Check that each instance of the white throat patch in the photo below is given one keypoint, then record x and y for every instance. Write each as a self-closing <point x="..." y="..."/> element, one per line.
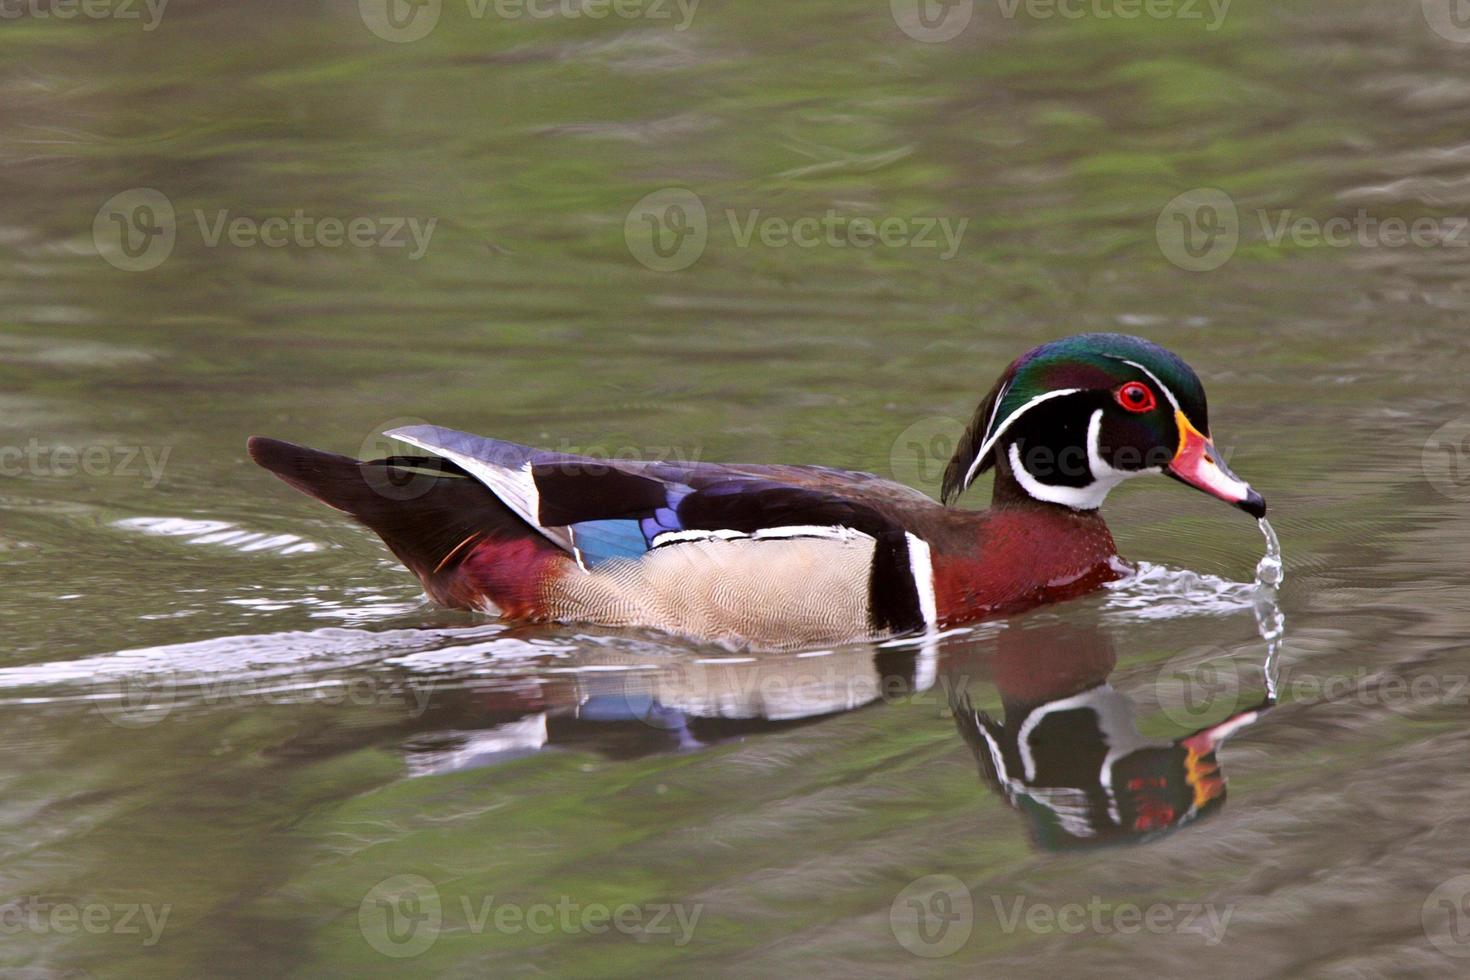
<point x="1090" y="497"/>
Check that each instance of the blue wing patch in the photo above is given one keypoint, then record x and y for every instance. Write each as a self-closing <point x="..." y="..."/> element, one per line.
<point x="594" y="542"/>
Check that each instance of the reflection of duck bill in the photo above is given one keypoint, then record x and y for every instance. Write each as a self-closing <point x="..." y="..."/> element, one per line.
<point x="1201" y="770"/>
<point x="1083" y="776"/>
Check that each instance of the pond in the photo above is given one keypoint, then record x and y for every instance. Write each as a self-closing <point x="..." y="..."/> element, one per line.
<point x="241" y="741"/>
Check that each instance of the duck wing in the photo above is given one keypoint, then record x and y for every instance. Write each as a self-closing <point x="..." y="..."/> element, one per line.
<point x="602" y="511"/>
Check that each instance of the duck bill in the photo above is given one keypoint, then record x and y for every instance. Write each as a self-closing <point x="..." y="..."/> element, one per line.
<point x="1199" y="464"/>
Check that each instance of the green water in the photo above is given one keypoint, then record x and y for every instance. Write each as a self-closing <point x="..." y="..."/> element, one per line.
<point x="228" y="711"/>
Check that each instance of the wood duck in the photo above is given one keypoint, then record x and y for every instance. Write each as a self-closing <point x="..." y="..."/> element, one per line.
<point x="777" y="556"/>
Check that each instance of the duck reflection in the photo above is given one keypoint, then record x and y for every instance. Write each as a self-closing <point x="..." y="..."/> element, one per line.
<point x="1065" y="752"/>
<point x="1068" y="754"/>
<point x="620" y="706"/>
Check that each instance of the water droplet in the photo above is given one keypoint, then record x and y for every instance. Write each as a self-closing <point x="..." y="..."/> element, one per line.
<point x="1269" y="571"/>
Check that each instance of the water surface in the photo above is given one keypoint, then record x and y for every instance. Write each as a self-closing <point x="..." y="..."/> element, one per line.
<point x="224" y="701"/>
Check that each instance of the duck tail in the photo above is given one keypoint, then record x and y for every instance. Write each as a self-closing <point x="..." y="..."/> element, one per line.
<point x="430" y="512"/>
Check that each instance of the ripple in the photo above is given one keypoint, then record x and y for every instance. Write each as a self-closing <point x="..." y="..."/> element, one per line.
<point x="253" y="657"/>
<point x="221" y="533"/>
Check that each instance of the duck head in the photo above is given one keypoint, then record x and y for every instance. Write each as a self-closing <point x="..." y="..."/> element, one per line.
<point x="1073" y="418"/>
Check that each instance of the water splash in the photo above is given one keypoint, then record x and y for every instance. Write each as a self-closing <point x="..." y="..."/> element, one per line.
<point x="1156" y="591"/>
<point x="1269" y="571"/>
<point x="1269" y="620"/>
<point x="1160" y="592"/>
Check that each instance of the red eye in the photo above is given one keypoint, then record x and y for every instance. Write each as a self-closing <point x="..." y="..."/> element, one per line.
<point x="1136" y="397"/>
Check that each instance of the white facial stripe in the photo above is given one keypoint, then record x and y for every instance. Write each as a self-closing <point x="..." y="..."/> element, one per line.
<point x="1162" y="387"/>
<point x="1101" y="468"/>
<point x="995" y="409"/>
<point x="1090" y="497"/>
<point x="1085" y="699"/>
<point x="996" y="433"/>
<point x="997" y="758"/>
<point x="921" y="566"/>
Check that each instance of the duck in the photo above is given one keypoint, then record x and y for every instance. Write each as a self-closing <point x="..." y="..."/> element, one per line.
<point x="783" y="556"/>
